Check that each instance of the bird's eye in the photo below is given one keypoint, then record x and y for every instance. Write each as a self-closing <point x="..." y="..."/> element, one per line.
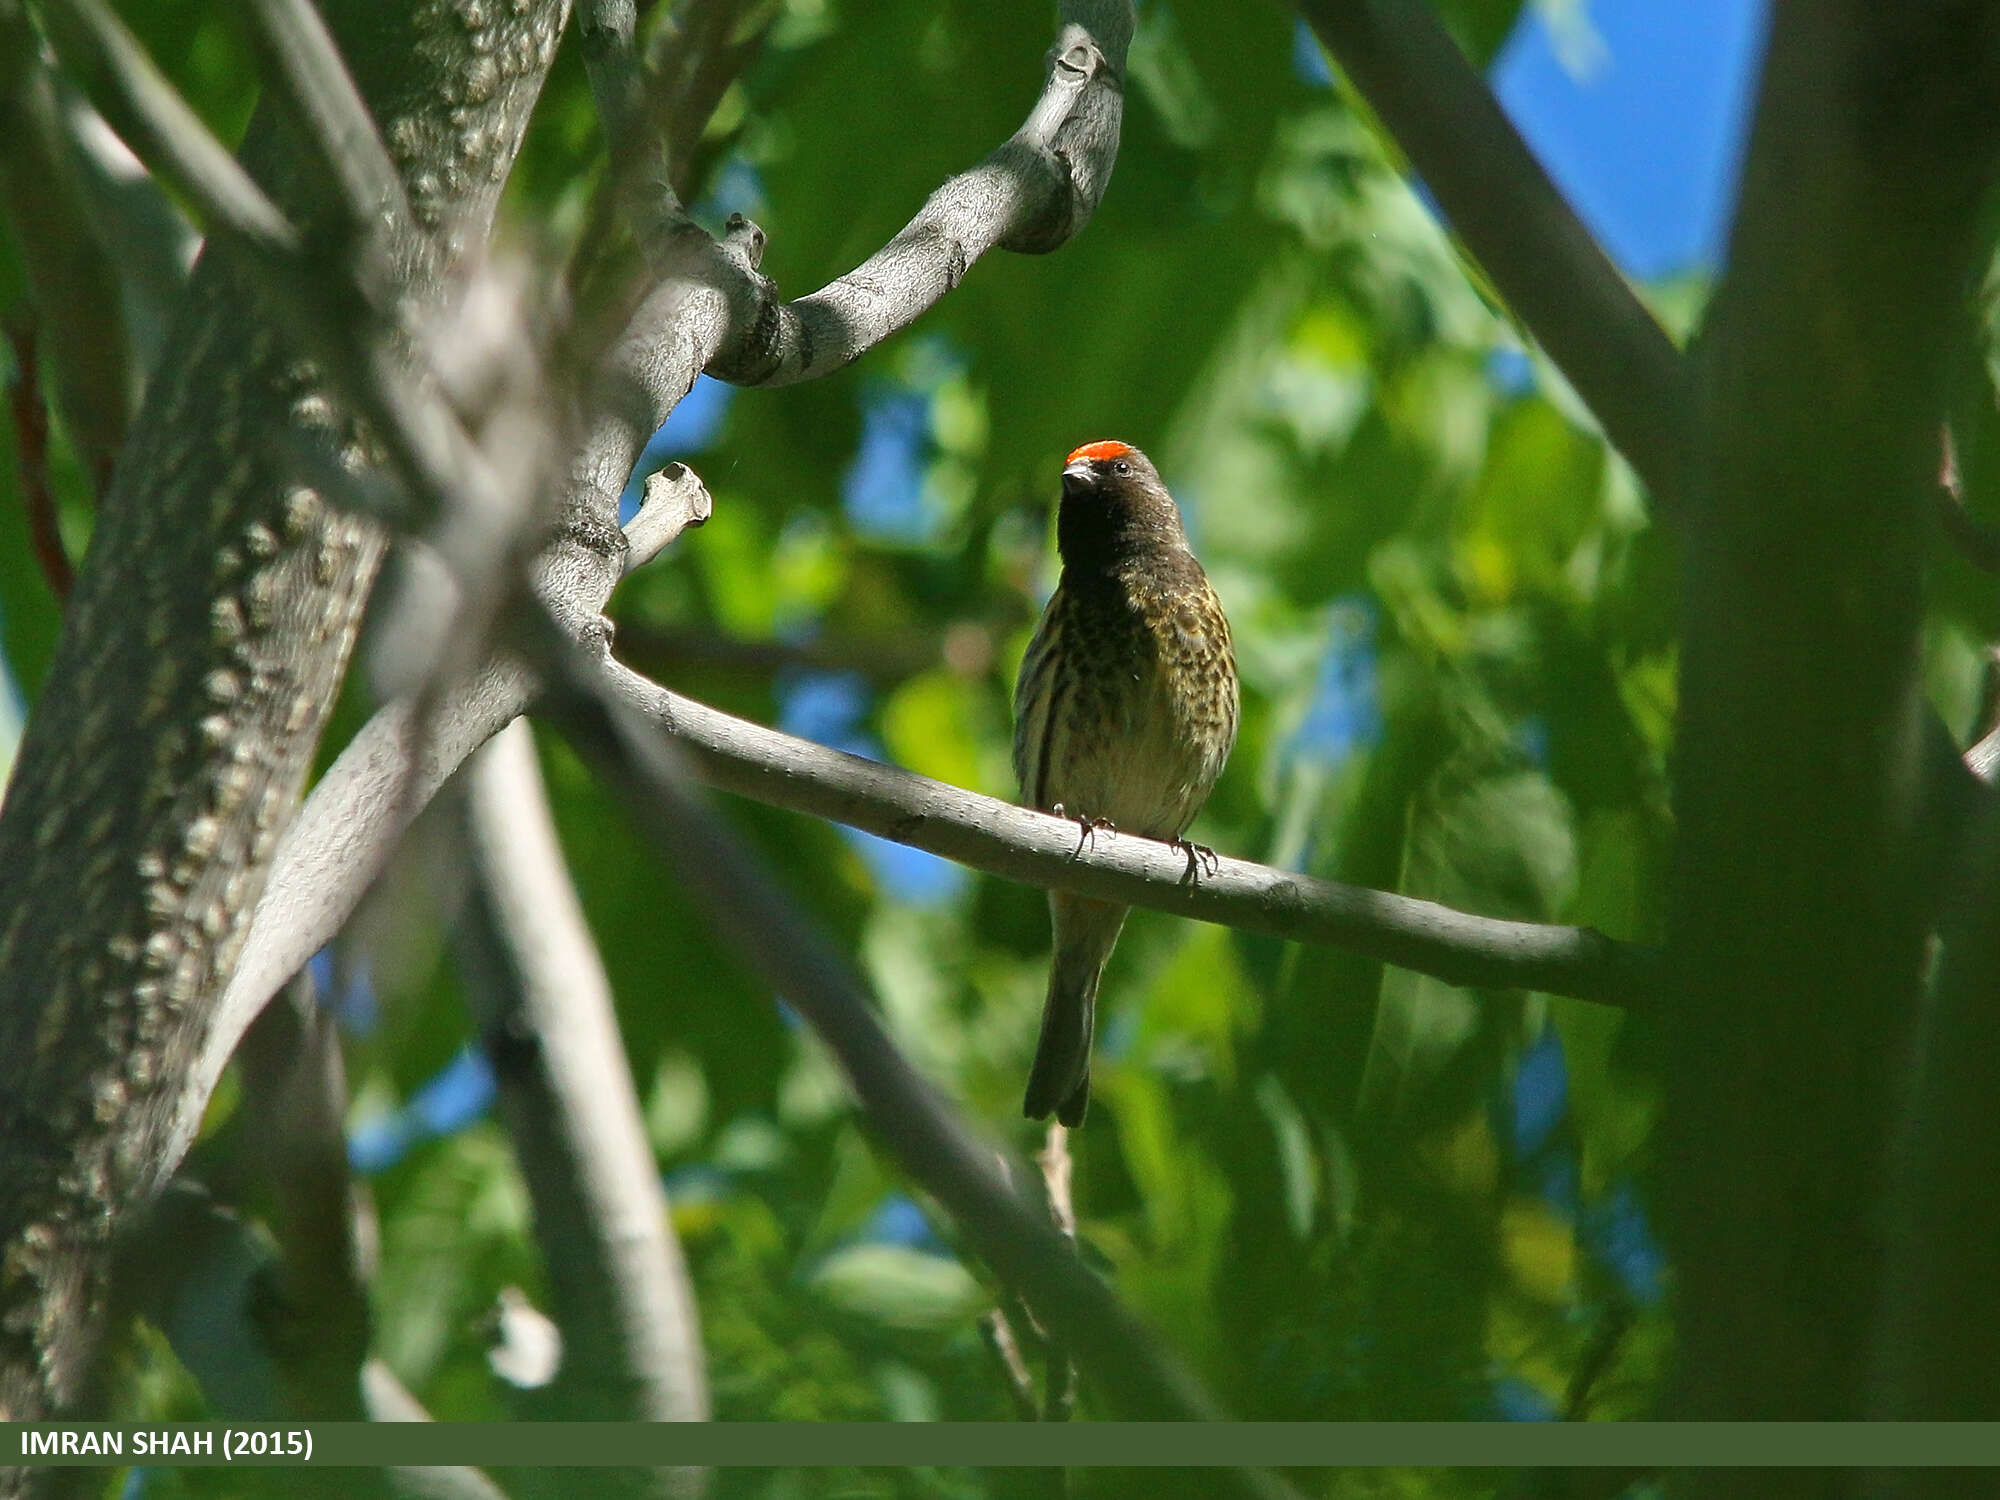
<point x="1122" y="467"/>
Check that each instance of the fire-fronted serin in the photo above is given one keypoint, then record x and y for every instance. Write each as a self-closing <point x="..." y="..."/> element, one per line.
<point x="1124" y="714"/>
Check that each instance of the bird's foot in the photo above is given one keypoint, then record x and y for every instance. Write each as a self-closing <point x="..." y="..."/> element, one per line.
<point x="1200" y="860"/>
<point x="1087" y="828"/>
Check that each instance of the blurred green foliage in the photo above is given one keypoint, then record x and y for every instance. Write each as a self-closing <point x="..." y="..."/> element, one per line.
<point x="1341" y="1191"/>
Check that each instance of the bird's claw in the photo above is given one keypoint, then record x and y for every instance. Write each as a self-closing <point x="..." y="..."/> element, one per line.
<point x="1200" y="859"/>
<point x="1087" y="828"/>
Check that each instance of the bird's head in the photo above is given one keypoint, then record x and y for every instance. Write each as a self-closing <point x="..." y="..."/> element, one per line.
<point x="1113" y="500"/>
<point x="1106" y="467"/>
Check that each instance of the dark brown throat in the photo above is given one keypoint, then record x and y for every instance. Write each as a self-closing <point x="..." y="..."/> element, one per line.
<point x="1112" y="526"/>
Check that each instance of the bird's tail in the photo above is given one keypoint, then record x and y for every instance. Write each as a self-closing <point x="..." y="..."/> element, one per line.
<point x="1085" y="932"/>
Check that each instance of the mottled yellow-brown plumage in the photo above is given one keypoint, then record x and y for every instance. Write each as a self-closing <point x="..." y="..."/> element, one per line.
<point x="1125" y="712"/>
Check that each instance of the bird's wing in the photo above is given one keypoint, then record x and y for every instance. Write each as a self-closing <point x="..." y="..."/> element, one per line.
<point x="1035" y="693"/>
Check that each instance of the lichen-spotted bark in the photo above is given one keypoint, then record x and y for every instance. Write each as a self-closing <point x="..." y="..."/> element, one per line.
<point x="202" y="650"/>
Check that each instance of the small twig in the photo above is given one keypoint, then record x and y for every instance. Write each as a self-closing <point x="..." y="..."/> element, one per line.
<point x="998" y="1332"/>
<point x="1054" y="1161"/>
<point x="676" y="499"/>
<point x="708" y="47"/>
<point x="127" y="208"/>
<point x="296" y="50"/>
<point x="75" y="286"/>
<point x="1983" y="759"/>
<point x="31" y="457"/>
<point x="1058" y="1403"/>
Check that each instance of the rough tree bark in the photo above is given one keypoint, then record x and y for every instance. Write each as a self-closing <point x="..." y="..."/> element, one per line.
<point x="198" y="660"/>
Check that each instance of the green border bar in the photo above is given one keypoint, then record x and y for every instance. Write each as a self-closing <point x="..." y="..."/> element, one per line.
<point x="1081" y="1444"/>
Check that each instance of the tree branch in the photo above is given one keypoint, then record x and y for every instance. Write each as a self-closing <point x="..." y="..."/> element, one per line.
<point x="1032" y="194"/>
<point x="631" y="1342"/>
<point x="1518" y="226"/>
<point x="675" y="500"/>
<point x="1802" y="901"/>
<point x="294" y="1130"/>
<point x="75" y="283"/>
<point x="703" y="48"/>
<point x="332" y="852"/>
<point x="196" y="666"/>
<point x="1038" y="849"/>
<point x="30" y="414"/>
<point x="322" y="280"/>
<point x="641" y="184"/>
<point x="297" y="55"/>
<point x="912" y="1121"/>
<point x="156" y="244"/>
<point x="145" y="108"/>
<point x="354" y="817"/>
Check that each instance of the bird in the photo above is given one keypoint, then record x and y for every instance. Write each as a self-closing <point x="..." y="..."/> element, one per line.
<point x="1125" y="712"/>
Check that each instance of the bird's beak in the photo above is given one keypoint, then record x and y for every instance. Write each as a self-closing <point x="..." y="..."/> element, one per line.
<point x="1077" y="476"/>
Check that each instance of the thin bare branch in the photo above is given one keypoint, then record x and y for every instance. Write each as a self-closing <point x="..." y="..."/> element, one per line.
<point x="319" y="285"/>
<point x="1983" y="759"/>
<point x="156" y="244"/>
<point x="998" y="1332"/>
<point x="618" y="84"/>
<point x="1053" y="1160"/>
<point x="1039" y="849"/>
<point x="676" y="499"/>
<point x="340" y="841"/>
<point x="705" y="48"/>
<point x="1032" y="194"/>
<point x="631" y="1343"/>
<point x="76" y="284"/>
<point x="294" y="1128"/>
<point x="1517" y="225"/>
<point x="31" y="457"/>
<point x="296" y="50"/>
<point x="149" y="112"/>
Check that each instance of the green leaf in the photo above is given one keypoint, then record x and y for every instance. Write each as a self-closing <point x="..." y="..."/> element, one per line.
<point x="898" y="1287"/>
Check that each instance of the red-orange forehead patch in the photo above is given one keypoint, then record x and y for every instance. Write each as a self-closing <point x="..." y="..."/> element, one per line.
<point x="1100" y="450"/>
